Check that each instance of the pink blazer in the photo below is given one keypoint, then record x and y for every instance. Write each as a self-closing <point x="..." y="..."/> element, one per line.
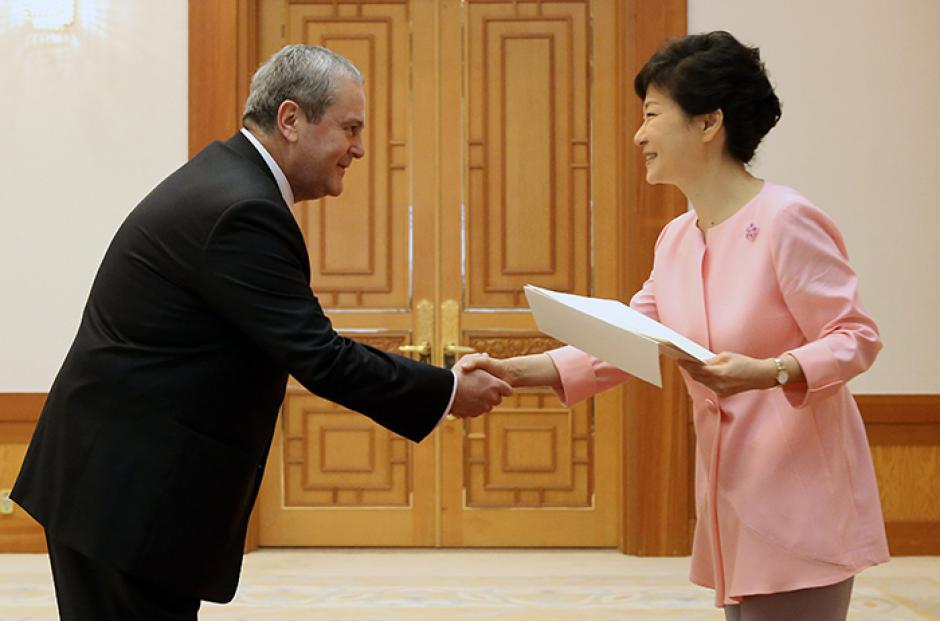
<point x="795" y="468"/>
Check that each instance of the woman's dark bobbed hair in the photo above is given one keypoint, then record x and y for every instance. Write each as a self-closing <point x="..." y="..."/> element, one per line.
<point x="711" y="71"/>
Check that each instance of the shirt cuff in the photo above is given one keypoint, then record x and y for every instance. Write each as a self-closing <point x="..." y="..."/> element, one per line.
<point x="453" y="394"/>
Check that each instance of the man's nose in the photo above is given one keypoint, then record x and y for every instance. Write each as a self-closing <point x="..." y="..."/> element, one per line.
<point x="358" y="148"/>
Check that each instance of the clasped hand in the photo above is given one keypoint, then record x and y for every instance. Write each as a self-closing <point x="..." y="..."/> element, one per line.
<point x="478" y="392"/>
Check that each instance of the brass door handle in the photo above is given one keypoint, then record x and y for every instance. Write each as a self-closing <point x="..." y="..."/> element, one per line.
<point x="424" y="332"/>
<point x="423" y="349"/>
<point x="451" y="350"/>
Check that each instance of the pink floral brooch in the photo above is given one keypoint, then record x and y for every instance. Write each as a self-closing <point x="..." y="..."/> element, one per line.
<point x="751" y="232"/>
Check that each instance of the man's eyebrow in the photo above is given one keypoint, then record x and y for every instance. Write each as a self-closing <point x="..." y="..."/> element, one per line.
<point x="651" y="102"/>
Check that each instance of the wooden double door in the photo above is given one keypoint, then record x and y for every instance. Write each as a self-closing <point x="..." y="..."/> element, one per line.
<point x="489" y="164"/>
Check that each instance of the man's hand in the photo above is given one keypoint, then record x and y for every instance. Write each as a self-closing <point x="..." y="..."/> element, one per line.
<point x="478" y="392"/>
<point x="729" y="373"/>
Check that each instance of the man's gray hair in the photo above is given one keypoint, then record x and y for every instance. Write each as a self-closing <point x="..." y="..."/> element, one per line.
<point x="305" y="74"/>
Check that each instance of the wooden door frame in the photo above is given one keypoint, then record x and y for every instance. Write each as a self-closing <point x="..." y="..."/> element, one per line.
<point x="658" y="445"/>
<point x="223" y="43"/>
<point x="656" y="456"/>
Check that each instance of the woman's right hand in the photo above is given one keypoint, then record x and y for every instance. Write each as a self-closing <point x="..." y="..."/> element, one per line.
<point x="533" y="370"/>
<point x="498" y="367"/>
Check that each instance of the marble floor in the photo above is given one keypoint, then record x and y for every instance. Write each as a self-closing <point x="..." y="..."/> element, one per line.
<point x="462" y="585"/>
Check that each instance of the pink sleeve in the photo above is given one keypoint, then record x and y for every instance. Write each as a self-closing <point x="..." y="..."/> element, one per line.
<point x="820" y="289"/>
<point x="582" y="375"/>
<point x="644" y="300"/>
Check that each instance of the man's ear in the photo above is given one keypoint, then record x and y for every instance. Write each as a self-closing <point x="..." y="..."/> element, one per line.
<point x="289" y="116"/>
<point x="711" y="123"/>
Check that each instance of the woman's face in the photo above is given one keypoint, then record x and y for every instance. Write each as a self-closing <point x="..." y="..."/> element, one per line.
<point x="671" y="142"/>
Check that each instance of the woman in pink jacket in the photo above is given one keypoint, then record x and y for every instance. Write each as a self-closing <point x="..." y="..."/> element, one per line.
<point x="786" y="498"/>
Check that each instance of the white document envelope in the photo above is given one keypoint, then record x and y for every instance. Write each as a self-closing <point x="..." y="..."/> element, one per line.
<point x="611" y="331"/>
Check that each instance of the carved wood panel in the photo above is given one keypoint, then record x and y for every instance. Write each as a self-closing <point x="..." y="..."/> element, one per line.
<point x="508" y="344"/>
<point x="334" y="457"/>
<point x="337" y="458"/>
<point x="359" y="242"/>
<point x="530" y="452"/>
<point x="527" y="151"/>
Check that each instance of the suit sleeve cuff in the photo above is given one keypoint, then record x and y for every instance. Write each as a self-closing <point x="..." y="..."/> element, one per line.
<point x="821" y="371"/>
<point x="577" y="376"/>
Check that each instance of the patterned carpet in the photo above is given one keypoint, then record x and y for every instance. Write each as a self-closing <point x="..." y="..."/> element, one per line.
<point x="460" y="585"/>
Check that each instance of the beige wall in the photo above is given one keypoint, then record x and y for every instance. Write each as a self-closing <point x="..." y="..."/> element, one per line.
<point x="92" y="119"/>
<point x="860" y="136"/>
<point x="95" y="118"/>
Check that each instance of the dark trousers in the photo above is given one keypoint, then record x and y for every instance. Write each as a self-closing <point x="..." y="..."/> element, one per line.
<point x="91" y="590"/>
<point x="826" y="603"/>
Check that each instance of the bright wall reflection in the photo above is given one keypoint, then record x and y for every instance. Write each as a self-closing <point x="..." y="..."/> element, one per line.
<point x="95" y="116"/>
<point x="49" y="22"/>
<point x="50" y="14"/>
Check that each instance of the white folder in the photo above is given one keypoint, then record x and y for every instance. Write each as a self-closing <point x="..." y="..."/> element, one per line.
<point x="611" y="331"/>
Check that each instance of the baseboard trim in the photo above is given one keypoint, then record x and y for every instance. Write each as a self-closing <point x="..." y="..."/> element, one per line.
<point x="913" y="538"/>
<point x="21" y="407"/>
<point x="19" y="412"/>
<point x="890" y="420"/>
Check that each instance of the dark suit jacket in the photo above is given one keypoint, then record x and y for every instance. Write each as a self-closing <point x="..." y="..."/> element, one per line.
<point x="151" y="446"/>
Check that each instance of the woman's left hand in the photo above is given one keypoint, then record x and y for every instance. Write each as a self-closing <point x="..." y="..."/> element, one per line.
<point x="729" y="373"/>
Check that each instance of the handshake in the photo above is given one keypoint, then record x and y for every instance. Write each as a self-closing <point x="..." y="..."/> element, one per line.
<point x="482" y="382"/>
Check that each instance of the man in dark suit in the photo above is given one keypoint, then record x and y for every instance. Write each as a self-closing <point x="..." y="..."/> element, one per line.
<point x="147" y="458"/>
